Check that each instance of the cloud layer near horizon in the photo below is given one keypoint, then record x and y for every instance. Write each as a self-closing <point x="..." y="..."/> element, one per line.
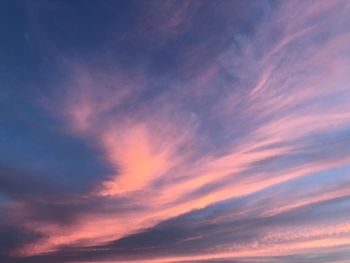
<point x="176" y="131"/>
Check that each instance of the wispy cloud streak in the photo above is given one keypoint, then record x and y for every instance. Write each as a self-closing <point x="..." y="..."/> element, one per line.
<point x="239" y="151"/>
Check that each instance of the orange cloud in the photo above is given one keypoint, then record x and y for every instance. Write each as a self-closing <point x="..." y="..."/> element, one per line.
<point x="140" y="158"/>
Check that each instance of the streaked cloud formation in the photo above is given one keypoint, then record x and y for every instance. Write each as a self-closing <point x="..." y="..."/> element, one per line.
<point x="175" y="131"/>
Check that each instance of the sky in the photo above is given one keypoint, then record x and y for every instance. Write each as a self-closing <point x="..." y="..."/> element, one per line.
<point x="168" y="131"/>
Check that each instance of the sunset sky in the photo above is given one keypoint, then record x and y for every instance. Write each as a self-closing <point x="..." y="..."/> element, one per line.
<point x="181" y="131"/>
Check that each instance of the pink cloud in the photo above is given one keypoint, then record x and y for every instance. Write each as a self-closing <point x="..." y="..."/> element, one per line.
<point x="146" y="146"/>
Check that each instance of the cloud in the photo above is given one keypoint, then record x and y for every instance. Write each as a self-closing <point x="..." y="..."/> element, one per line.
<point x="228" y="143"/>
